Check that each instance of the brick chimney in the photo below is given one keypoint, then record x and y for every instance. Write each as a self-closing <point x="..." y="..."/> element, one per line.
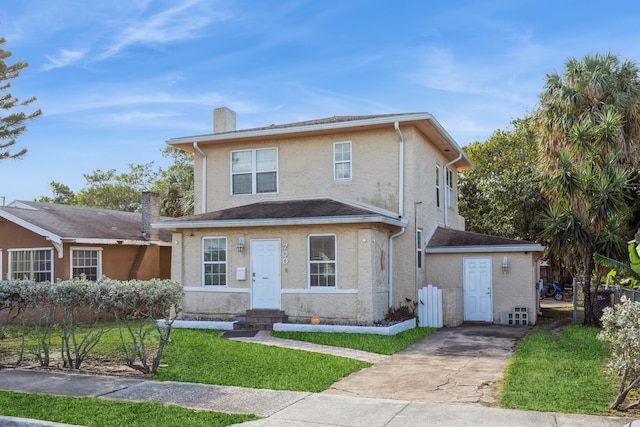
<point x="224" y="120"/>
<point x="150" y="214"/>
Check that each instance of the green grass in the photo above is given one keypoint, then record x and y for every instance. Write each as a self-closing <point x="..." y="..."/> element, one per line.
<point x="200" y="356"/>
<point x="92" y="412"/>
<point x="563" y="374"/>
<point x="380" y="344"/>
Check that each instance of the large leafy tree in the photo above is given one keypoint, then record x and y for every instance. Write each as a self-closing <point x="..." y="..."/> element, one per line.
<point x="589" y="123"/>
<point x="13" y="119"/>
<point x="502" y="195"/>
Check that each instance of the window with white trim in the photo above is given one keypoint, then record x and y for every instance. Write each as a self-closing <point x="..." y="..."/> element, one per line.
<point x="437" y="186"/>
<point x="86" y="262"/>
<point x="214" y="261"/>
<point x="342" y="161"/>
<point x="254" y="171"/>
<point x="31" y="264"/>
<point x="449" y="189"/>
<point x="322" y="261"/>
<point x="419" y="247"/>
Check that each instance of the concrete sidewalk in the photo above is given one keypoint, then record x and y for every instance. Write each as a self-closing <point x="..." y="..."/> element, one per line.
<point x="284" y="408"/>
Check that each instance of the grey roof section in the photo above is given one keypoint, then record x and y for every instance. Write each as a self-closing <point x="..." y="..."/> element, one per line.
<point x="450" y="240"/>
<point x="292" y="212"/>
<point x="74" y="222"/>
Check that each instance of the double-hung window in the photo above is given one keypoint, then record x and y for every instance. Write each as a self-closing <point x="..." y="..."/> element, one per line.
<point x="342" y="161"/>
<point x="322" y="261"/>
<point x="214" y="261"/>
<point x="449" y="185"/>
<point x="31" y="264"/>
<point x="254" y="171"/>
<point x="86" y="262"/>
<point x="437" y="186"/>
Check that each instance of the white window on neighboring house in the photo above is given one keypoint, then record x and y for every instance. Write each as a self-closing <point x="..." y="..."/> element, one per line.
<point x="449" y="185"/>
<point x="214" y="261"/>
<point x="342" y="161"/>
<point x="86" y="262"/>
<point x="419" y="247"/>
<point x="322" y="261"/>
<point x="437" y="186"/>
<point x="31" y="264"/>
<point x="254" y="171"/>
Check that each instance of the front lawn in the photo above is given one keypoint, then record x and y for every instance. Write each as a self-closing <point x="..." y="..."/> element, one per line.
<point x="201" y="356"/>
<point x="562" y="373"/>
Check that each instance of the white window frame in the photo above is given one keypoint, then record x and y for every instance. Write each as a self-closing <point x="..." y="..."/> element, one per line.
<point x="330" y="263"/>
<point x="437" y="186"/>
<point x="254" y="171"/>
<point x="216" y="262"/>
<point x="12" y="252"/>
<point x="337" y="162"/>
<point x="449" y="187"/>
<point x="98" y="267"/>
<point x="419" y="249"/>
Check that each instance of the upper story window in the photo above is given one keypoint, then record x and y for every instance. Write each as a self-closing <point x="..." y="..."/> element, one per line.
<point x="419" y="247"/>
<point x="342" y="161"/>
<point x="322" y="261"/>
<point x="254" y="171"/>
<point x="87" y="262"/>
<point x="449" y="185"/>
<point x="438" y="186"/>
<point x="214" y="261"/>
<point x="31" y="264"/>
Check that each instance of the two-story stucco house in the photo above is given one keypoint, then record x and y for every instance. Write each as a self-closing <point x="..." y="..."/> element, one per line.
<point x="333" y="218"/>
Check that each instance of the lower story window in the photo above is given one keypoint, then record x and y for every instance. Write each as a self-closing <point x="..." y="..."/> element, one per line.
<point x="322" y="261"/>
<point x="214" y="261"/>
<point x="33" y="264"/>
<point x="87" y="263"/>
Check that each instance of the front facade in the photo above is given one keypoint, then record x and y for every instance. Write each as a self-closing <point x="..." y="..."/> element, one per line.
<point x="46" y="242"/>
<point x="328" y="217"/>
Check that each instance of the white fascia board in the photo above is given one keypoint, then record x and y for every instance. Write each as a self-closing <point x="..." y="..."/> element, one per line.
<point x="29" y="226"/>
<point x="484" y="249"/>
<point x="123" y="242"/>
<point x="309" y="128"/>
<point x="283" y="221"/>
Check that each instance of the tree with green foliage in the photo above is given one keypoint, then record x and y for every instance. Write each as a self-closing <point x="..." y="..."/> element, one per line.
<point x="589" y="123"/>
<point x="14" y="123"/>
<point x="502" y="195"/>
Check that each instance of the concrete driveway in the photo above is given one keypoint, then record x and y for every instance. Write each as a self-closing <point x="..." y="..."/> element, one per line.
<point x="452" y="365"/>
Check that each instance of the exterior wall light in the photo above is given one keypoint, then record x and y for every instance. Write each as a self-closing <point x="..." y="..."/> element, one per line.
<point x="240" y="245"/>
<point x="505" y="265"/>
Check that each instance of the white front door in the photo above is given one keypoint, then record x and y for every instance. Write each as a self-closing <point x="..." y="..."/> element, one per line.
<point x="478" y="290"/>
<point x="265" y="274"/>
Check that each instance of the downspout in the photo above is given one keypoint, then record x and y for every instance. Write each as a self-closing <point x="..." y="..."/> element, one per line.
<point x="396" y="125"/>
<point x="446" y="201"/>
<point x="204" y="176"/>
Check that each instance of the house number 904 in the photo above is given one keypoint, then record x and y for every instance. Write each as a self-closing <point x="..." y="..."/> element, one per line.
<point x="285" y="254"/>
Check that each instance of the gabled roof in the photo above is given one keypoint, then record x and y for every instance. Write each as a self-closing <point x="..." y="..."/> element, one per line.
<point x="74" y="224"/>
<point x="293" y="212"/>
<point x="425" y="122"/>
<point x="447" y="240"/>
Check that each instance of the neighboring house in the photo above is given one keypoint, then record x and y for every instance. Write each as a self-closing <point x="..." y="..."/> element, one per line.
<point x="46" y="241"/>
<point x="333" y="218"/>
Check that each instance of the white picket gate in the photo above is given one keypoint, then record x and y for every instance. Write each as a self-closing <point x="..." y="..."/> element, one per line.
<point x="430" y="307"/>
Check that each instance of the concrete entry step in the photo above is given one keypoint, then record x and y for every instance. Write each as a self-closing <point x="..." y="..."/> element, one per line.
<point x="262" y="320"/>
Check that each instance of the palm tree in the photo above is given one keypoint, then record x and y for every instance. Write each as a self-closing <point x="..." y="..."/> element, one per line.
<point x="589" y="121"/>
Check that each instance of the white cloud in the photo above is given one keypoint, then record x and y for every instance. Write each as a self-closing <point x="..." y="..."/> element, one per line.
<point x="64" y="58"/>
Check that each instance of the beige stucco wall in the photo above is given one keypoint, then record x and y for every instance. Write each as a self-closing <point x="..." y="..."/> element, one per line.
<point x="515" y="288"/>
<point x="360" y="296"/>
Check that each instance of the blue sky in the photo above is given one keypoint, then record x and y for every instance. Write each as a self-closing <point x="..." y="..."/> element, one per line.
<point x="115" y="79"/>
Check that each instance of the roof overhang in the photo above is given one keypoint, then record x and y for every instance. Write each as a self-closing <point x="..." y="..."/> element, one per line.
<point x="270" y="222"/>
<point x="484" y="249"/>
<point x="126" y="242"/>
<point x="425" y="122"/>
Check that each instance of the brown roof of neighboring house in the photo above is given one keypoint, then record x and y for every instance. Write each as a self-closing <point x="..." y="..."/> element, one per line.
<point x="450" y="238"/>
<point x="286" y="210"/>
<point x="75" y="222"/>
